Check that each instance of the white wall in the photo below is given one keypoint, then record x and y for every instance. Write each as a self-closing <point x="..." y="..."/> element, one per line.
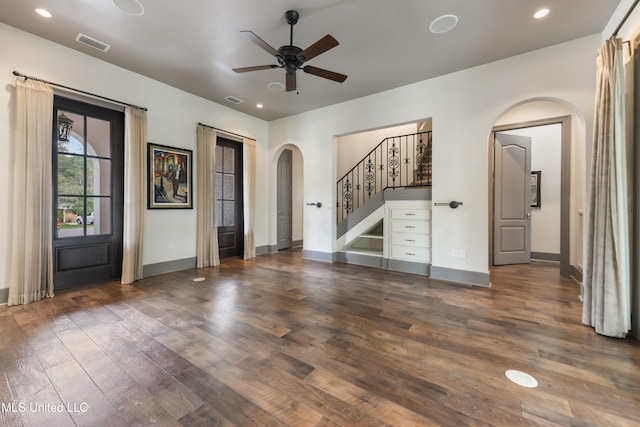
<point x="352" y="148"/>
<point x="463" y="106"/>
<point x="546" y="149"/>
<point x="632" y="26"/>
<point x="172" y="119"/>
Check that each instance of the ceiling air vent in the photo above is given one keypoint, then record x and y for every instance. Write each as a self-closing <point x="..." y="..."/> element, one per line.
<point x="89" y="41"/>
<point x="234" y="100"/>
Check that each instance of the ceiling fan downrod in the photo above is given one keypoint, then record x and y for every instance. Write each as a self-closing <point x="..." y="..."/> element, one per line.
<point x="292" y="17"/>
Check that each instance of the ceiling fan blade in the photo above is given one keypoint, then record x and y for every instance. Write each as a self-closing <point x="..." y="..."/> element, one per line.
<point x="321" y="72"/>
<point x="321" y="46"/>
<point x="263" y="44"/>
<point x="291" y="82"/>
<point x="256" y="68"/>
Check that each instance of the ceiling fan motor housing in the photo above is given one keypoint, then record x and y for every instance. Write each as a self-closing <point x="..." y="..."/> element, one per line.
<point x="292" y="58"/>
<point x="289" y="58"/>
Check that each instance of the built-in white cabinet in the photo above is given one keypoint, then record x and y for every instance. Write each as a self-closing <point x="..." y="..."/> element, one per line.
<point x="407" y="235"/>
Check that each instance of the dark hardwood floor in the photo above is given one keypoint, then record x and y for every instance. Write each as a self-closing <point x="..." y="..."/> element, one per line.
<point x="284" y="341"/>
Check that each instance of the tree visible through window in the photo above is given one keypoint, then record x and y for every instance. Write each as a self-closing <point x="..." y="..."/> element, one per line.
<point x="83" y="170"/>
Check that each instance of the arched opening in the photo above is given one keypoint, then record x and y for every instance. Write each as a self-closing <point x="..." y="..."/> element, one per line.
<point x="535" y="118"/>
<point x="289" y="179"/>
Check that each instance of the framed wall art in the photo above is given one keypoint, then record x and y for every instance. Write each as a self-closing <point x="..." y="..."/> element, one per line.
<point x="535" y="189"/>
<point x="169" y="183"/>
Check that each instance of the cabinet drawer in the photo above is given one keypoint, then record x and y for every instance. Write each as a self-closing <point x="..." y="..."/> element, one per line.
<point x="409" y="213"/>
<point x="409" y="239"/>
<point x="410" y="253"/>
<point x="410" y="226"/>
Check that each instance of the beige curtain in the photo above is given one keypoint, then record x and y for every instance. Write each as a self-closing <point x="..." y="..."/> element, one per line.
<point x="31" y="268"/>
<point x="207" y="254"/>
<point x="249" y="196"/>
<point x="135" y="139"/>
<point x="607" y="288"/>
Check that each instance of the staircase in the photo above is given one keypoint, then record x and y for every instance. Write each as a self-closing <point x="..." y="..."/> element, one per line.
<point x="397" y="162"/>
<point x="363" y="239"/>
<point x="400" y="162"/>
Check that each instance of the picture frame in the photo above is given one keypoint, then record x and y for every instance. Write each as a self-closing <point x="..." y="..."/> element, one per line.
<point x="536" y="202"/>
<point x="169" y="177"/>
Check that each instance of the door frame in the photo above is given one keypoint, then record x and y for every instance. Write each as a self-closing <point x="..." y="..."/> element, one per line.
<point x="88" y="275"/>
<point x="223" y="141"/>
<point x="565" y="185"/>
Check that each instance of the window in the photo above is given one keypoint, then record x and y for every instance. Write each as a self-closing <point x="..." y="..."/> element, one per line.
<point x="82" y="169"/>
<point x="229" y="215"/>
<point x="225" y="186"/>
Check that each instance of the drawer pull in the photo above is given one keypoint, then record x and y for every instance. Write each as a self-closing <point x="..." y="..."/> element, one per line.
<point x="409" y="254"/>
<point x="410" y="214"/>
<point x="409" y="240"/>
<point x="409" y="226"/>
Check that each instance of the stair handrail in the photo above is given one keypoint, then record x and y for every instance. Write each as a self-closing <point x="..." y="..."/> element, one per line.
<point x="371" y="181"/>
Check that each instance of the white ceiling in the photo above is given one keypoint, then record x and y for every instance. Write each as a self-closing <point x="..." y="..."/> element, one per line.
<point x="384" y="44"/>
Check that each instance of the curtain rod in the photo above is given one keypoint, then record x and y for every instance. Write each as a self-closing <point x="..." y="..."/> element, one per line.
<point x="624" y="20"/>
<point x="226" y="131"/>
<point x="17" y="74"/>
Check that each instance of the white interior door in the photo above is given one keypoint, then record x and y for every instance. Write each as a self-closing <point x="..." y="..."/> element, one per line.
<point x="512" y="200"/>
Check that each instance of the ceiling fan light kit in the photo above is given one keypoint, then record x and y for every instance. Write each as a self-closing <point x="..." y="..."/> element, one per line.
<point x="292" y="58"/>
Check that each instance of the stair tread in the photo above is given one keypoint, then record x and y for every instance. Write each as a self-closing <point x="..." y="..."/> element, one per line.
<point x="371" y="236"/>
<point x="363" y="252"/>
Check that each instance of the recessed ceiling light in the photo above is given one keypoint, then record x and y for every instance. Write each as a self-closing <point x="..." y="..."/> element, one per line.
<point x="443" y="24"/>
<point x="43" y="12"/>
<point x="259" y="105"/>
<point x="541" y="13"/>
<point x="132" y="7"/>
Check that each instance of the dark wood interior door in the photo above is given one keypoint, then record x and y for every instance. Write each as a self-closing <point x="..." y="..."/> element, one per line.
<point x="88" y="189"/>
<point x="229" y="204"/>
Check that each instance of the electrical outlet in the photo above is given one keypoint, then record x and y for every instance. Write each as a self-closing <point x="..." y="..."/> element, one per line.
<point x="463" y="253"/>
<point x="454" y="253"/>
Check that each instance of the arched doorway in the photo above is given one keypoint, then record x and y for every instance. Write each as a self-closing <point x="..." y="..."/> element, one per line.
<point x="569" y="179"/>
<point x="289" y="184"/>
<point x="284" y="200"/>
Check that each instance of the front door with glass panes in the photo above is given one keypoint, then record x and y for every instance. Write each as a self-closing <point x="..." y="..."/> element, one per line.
<point x="88" y="194"/>
<point x="229" y="215"/>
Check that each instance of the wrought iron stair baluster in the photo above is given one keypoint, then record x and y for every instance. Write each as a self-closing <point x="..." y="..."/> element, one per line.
<point x="406" y="160"/>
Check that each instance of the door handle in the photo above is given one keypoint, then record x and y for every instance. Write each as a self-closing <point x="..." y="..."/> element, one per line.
<point x="528" y="215"/>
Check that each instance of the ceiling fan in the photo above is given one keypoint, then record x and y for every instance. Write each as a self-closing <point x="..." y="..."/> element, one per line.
<point x="292" y="58"/>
